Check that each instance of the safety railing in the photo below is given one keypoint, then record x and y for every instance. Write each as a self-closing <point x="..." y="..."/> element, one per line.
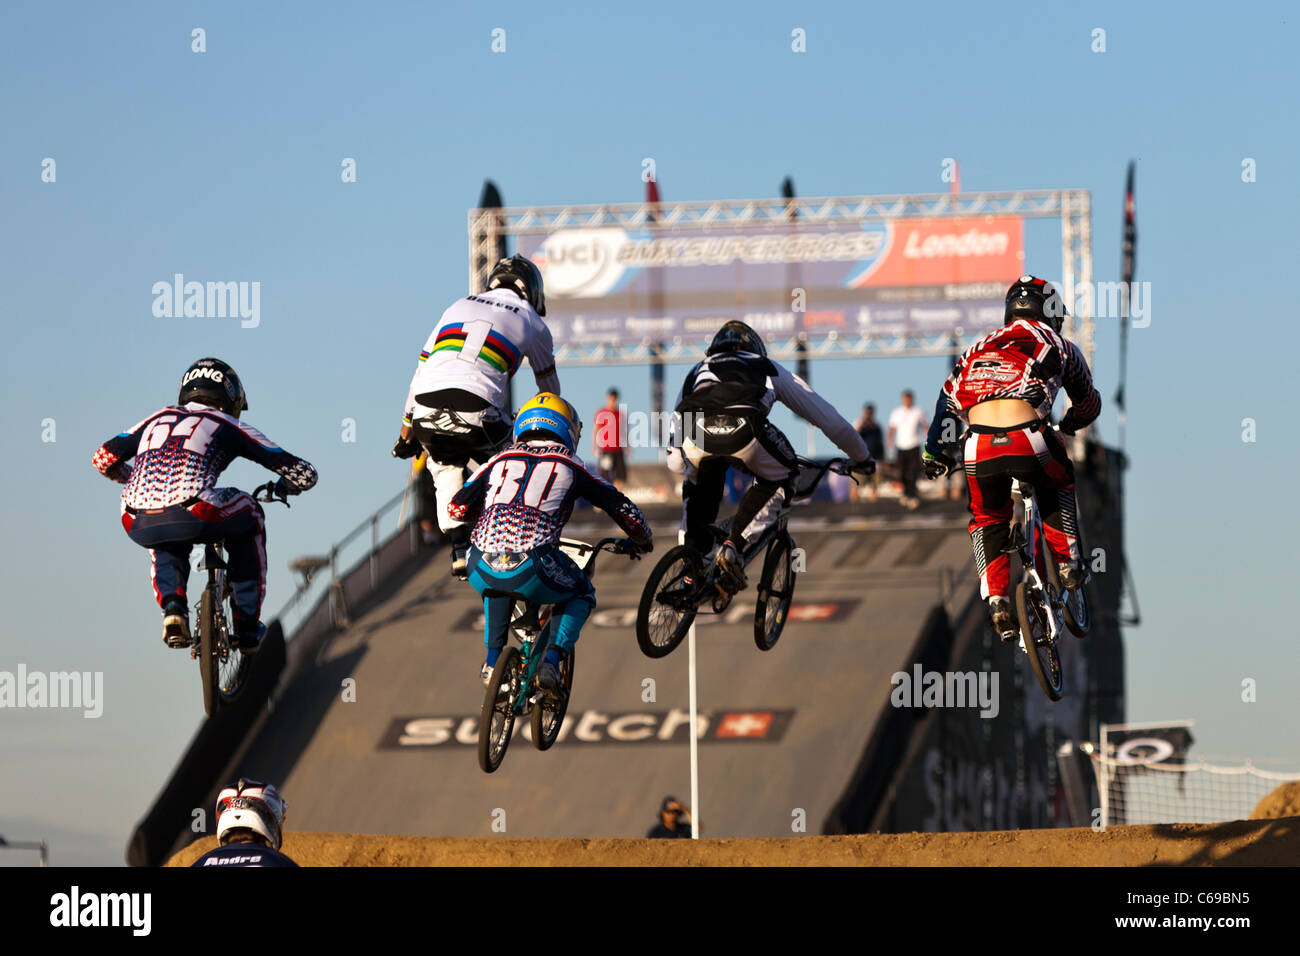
<point x="363" y="546"/>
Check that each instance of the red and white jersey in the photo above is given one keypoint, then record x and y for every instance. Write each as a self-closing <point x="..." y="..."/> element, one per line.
<point x="181" y="450"/>
<point x="1025" y="360"/>
<point x="478" y="345"/>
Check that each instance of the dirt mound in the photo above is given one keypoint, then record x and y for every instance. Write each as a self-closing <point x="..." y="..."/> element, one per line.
<point x="1282" y="802"/>
<point x="1246" y="843"/>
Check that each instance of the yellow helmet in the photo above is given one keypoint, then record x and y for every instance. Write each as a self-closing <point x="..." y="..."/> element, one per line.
<point x="547" y="412"/>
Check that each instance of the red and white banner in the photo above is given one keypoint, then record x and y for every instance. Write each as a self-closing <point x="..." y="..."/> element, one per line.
<point x="927" y="252"/>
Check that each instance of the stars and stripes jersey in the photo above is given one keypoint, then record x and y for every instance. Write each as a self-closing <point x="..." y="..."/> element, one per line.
<point x="181" y="450"/>
<point x="478" y="345"/>
<point x="523" y="497"/>
<point x="1025" y="360"/>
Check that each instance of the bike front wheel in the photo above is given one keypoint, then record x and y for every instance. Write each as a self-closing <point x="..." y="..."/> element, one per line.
<point x="1035" y="631"/>
<point x="497" y="719"/>
<point x="775" y="591"/>
<point x="548" y="715"/>
<point x="668" y="602"/>
<point x="1078" y="617"/>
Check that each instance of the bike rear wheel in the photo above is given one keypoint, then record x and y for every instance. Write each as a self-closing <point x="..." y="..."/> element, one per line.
<point x="232" y="673"/>
<point x="548" y="715"/>
<point x="1035" y="630"/>
<point x="1078" y="616"/>
<point x="209" y="650"/>
<point x="661" y="625"/>
<point x="775" y="591"/>
<point x="497" y="719"/>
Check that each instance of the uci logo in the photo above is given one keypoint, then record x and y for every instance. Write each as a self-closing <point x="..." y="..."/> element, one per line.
<point x="582" y="263"/>
<point x="212" y="373"/>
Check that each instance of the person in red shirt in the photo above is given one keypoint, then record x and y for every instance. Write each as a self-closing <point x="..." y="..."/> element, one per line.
<point x="611" y="462"/>
<point x="1003" y="387"/>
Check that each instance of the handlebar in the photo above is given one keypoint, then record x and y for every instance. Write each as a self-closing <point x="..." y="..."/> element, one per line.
<point x="269" y="492"/>
<point x="838" y="466"/>
<point x="622" y="546"/>
<point x="613" y="545"/>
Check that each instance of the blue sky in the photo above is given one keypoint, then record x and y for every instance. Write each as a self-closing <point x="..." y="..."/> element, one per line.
<point x="225" y="165"/>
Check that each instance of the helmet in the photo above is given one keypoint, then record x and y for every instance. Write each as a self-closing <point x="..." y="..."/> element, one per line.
<point x="213" y="382"/>
<point x="1036" y="300"/>
<point x="249" y="805"/>
<point x="548" y="414"/>
<point x="519" y="275"/>
<point x="736" y="337"/>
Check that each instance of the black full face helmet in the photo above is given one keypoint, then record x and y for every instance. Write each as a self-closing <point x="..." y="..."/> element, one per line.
<point x="519" y="275"/>
<point x="1036" y="300"/>
<point x="212" y="382"/>
<point x="736" y="336"/>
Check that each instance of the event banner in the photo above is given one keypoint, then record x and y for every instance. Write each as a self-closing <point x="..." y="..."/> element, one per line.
<point x="899" y="277"/>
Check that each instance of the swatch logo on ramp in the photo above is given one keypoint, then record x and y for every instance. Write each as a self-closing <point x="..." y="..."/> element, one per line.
<point x="761" y="725"/>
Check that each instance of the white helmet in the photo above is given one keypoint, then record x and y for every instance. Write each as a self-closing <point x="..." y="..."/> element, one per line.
<point x="249" y="805"/>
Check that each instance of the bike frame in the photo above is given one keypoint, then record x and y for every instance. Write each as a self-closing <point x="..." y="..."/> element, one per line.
<point x="1034" y="554"/>
<point x="782" y="519"/>
<point x="533" y="645"/>
<point x="214" y="562"/>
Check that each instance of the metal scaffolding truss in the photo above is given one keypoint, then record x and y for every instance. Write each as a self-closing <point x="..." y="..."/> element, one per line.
<point x="1072" y="206"/>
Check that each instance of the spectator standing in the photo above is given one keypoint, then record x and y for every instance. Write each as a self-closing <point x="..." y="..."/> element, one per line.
<point x="871" y="433"/>
<point x="907" y="429"/>
<point x="426" y="498"/>
<point x="606" y="442"/>
<point x="674" y="821"/>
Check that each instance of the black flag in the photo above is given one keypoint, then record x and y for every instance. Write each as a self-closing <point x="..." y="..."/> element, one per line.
<point x="1128" y="266"/>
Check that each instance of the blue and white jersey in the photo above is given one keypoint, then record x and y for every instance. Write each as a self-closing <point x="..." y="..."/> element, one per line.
<point x="180" y="452"/>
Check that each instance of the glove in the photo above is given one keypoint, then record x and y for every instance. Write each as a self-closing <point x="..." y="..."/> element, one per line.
<point x="936" y="466"/>
<point x="675" y="460"/>
<point x="405" y="448"/>
<point x="283" y="489"/>
<point x="867" y="467"/>
<point x="1069" y="423"/>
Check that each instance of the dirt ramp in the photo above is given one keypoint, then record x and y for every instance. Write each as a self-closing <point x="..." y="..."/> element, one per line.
<point x="1282" y="802"/>
<point x="1241" y="843"/>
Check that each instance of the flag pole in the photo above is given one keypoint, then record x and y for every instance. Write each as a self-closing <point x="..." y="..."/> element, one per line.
<point x="657" y="308"/>
<point x="794" y="275"/>
<point x="691" y="679"/>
